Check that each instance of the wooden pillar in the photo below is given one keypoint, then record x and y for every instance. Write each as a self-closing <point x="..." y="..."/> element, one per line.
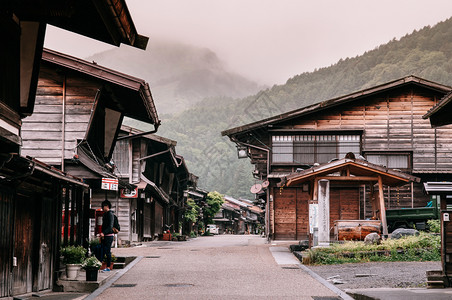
<point x="373" y="200"/>
<point x="382" y="207"/>
<point x="315" y="190"/>
<point x="324" y="212"/>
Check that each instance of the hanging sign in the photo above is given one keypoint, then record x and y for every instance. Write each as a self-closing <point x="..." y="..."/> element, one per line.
<point x="109" y="184"/>
<point x="126" y="193"/>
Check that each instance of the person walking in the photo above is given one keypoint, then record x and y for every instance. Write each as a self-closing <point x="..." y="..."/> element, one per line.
<point x="107" y="233"/>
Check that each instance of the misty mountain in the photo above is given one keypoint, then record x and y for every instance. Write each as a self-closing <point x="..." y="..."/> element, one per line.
<point x="426" y="53"/>
<point x="179" y="75"/>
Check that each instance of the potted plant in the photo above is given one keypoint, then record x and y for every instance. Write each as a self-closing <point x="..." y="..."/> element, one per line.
<point x="73" y="256"/>
<point x="91" y="266"/>
<point x="104" y="262"/>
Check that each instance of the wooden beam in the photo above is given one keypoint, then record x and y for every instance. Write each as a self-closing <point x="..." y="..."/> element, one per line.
<point x="382" y="207"/>
<point x="350" y="178"/>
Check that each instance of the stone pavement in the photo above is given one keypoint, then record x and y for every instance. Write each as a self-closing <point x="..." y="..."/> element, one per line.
<point x="401" y="294"/>
<point x="225" y="268"/>
<point x="217" y="267"/>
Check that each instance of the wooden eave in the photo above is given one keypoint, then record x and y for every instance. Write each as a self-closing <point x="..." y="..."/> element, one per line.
<point x="108" y="21"/>
<point x="153" y="137"/>
<point x="14" y="166"/>
<point x="337" y="101"/>
<point x="441" y="113"/>
<point x="133" y="93"/>
<point x="351" y="170"/>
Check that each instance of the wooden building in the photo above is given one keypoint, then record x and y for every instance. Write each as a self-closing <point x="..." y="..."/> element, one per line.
<point x="31" y="190"/>
<point x="79" y="109"/>
<point x="150" y="162"/>
<point x="440" y="115"/>
<point x="24" y="25"/>
<point x="382" y="125"/>
<point x="32" y="197"/>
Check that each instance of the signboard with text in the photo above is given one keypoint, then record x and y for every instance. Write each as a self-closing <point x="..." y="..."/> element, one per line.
<point x="109" y="184"/>
<point x="126" y="193"/>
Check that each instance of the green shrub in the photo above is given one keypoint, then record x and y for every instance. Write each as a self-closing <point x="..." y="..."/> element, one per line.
<point x="434" y="225"/>
<point x="425" y="247"/>
<point x="73" y="254"/>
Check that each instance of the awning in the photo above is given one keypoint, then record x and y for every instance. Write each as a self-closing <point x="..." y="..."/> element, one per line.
<point x="438" y="187"/>
<point x="88" y="161"/>
<point x="222" y="220"/>
<point x="14" y="166"/>
<point x="156" y="189"/>
<point x="351" y="170"/>
<point x="193" y="193"/>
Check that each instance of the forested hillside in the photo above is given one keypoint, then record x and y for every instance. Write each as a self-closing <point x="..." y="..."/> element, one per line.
<point x="426" y="53"/>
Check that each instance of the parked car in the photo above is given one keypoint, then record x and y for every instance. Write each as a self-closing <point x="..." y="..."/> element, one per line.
<point x="213" y="229"/>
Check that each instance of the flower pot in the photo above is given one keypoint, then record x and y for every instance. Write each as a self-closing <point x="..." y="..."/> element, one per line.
<point x="72" y="270"/>
<point x="91" y="274"/>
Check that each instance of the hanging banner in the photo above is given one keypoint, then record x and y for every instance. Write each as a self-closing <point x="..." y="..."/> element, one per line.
<point x="109" y="184"/>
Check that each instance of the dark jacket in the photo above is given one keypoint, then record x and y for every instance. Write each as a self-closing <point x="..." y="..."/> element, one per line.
<point x="107" y="222"/>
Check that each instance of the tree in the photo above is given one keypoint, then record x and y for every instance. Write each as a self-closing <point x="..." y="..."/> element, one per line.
<point x="214" y="202"/>
<point x="192" y="212"/>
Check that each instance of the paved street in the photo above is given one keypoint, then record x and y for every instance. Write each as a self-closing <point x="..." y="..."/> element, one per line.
<point x="216" y="267"/>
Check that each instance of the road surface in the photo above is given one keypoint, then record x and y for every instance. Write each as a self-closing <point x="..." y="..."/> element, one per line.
<point x="215" y="267"/>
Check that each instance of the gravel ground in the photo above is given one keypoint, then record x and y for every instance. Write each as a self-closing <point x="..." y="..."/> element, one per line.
<point x="377" y="274"/>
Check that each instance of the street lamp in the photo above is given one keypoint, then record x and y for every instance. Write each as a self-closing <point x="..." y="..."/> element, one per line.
<point x="242" y="151"/>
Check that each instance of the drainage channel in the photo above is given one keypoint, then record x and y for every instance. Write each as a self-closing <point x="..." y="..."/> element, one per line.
<point x="123" y="285"/>
<point x="178" y="285"/>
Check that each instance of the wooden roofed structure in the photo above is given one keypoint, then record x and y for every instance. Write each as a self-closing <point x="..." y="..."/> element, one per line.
<point x="441" y="113"/>
<point x="349" y="171"/>
<point x="383" y="124"/>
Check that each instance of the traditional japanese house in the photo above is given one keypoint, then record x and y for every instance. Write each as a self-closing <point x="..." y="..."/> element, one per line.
<point x="441" y="115"/>
<point x="78" y="113"/>
<point x="199" y="196"/>
<point x="382" y="125"/>
<point x="150" y="162"/>
<point x="29" y="189"/>
<point x="224" y="218"/>
<point x="32" y="196"/>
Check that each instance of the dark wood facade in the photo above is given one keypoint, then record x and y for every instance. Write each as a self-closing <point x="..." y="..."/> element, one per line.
<point x="78" y="114"/>
<point x="383" y="124"/>
<point x="440" y="115"/>
<point x="151" y="163"/>
<point x="32" y="197"/>
<point x="24" y="26"/>
<point x="32" y="200"/>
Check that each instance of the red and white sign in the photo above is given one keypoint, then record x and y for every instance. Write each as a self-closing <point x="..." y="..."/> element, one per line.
<point x="109" y="184"/>
<point x="125" y="193"/>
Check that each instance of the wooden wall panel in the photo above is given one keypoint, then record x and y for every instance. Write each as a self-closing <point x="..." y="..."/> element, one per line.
<point x="23" y="245"/>
<point x="302" y="222"/>
<point x="42" y="131"/>
<point x="6" y="239"/>
<point x="285" y="213"/>
<point x="344" y="204"/>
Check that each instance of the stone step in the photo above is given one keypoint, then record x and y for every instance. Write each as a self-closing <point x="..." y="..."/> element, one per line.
<point x="432" y="284"/>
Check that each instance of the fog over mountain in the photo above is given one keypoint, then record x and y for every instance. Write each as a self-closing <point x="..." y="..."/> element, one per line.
<point x="179" y="75"/>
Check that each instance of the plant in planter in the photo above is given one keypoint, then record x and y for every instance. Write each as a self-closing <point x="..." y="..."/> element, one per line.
<point x="73" y="256"/>
<point x="104" y="262"/>
<point x="91" y="266"/>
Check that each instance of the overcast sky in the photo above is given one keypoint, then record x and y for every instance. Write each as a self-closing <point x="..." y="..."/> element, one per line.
<point x="271" y="40"/>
